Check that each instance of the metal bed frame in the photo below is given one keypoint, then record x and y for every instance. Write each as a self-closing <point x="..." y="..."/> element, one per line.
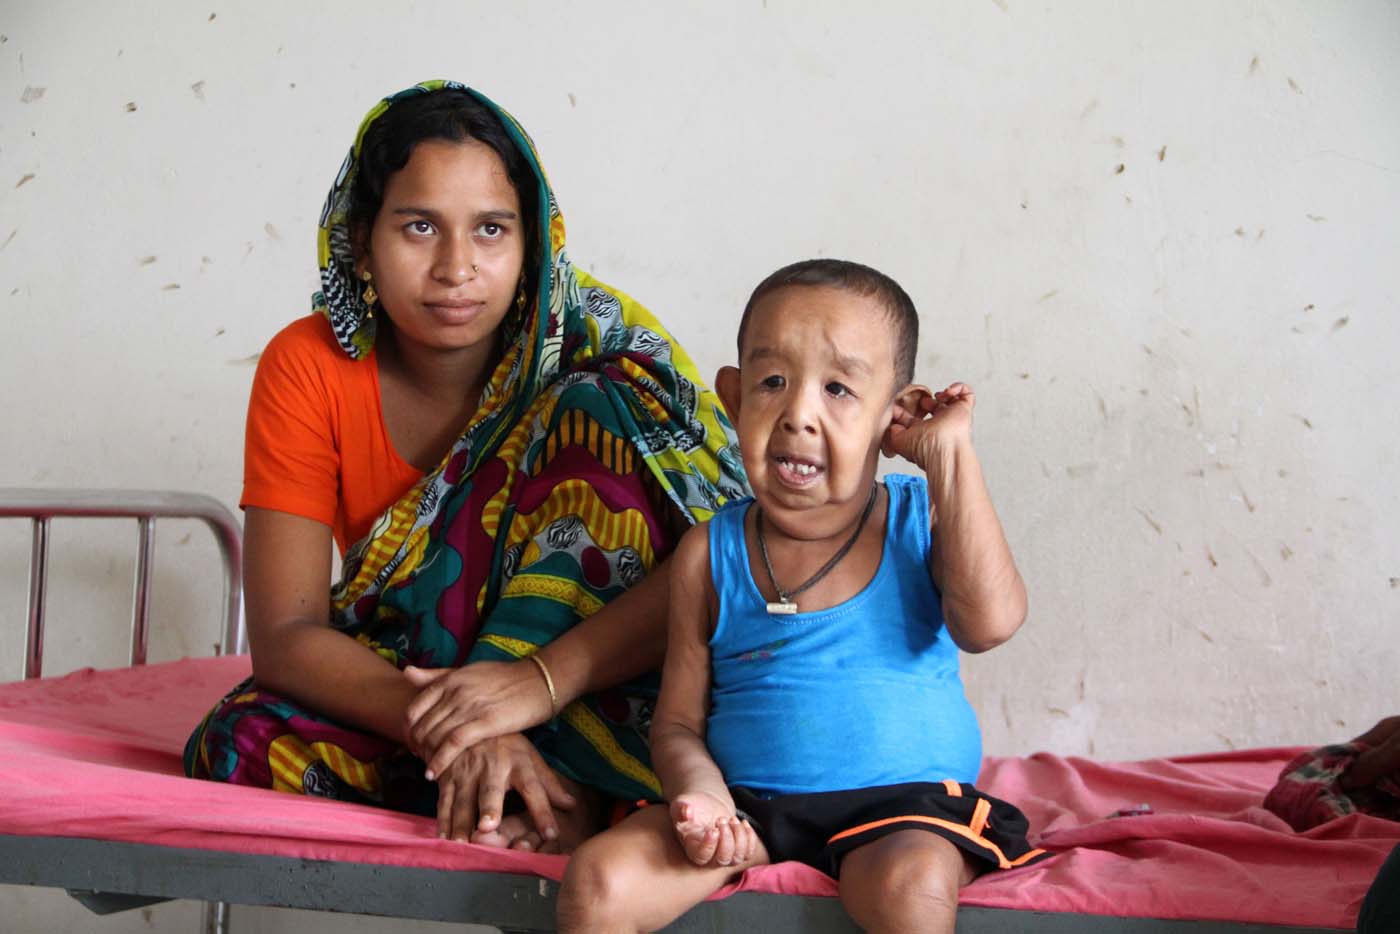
<point x="108" y="876"/>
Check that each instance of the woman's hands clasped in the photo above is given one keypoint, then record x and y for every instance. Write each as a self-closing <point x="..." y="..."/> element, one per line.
<point x="465" y="724"/>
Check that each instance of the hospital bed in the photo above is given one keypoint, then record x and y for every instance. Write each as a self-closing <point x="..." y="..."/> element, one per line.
<point x="96" y="804"/>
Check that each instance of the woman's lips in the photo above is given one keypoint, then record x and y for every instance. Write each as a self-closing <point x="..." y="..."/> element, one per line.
<point x="455" y="312"/>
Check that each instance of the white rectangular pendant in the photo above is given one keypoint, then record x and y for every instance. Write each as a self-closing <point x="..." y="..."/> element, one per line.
<point x="782" y="608"/>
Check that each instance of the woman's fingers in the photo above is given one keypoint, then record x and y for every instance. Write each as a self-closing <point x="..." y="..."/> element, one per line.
<point x="559" y="796"/>
<point x="464" y="820"/>
<point x="536" y="798"/>
<point x="426" y="731"/>
<point x="443" y="746"/>
<point x="427" y="699"/>
<point x="491" y="793"/>
<point x="422" y="677"/>
<point x="446" y="792"/>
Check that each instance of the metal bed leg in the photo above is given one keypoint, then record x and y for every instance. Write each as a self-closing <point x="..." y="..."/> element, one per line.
<point x="38" y="586"/>
<point x="215" y="918"/>
<point x="140" y="604"/>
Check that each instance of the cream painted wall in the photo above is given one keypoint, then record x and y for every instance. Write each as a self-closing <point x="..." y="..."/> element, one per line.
<point x="1159" y="239"/>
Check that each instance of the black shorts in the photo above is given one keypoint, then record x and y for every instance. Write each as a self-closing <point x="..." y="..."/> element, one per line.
<point x="819" y="829"/>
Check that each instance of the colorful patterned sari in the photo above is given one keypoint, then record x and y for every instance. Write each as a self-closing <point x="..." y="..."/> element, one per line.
<point x="553" y="501"/>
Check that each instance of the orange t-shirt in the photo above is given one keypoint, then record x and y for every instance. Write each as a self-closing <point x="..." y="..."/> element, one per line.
<point x="316" y="445"/>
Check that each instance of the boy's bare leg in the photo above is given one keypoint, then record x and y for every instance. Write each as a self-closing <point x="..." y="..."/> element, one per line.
<point x="635" y="877"/>
<point x="905" y="883"/>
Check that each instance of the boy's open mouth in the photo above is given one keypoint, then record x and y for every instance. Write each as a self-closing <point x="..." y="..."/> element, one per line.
<point x="797" y="471"/>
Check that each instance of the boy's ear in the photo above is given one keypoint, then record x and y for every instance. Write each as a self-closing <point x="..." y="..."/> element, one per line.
<point x="908" y="401"/>
<point x="906" y="408"/>
<point x="727" y="382"/>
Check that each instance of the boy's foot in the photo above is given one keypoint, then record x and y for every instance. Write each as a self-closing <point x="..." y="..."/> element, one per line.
<point x="516" y="831"/>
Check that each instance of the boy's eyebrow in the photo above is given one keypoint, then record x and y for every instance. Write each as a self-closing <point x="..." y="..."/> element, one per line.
<point x="846" y="363"/>
<point x="851" y="364"/>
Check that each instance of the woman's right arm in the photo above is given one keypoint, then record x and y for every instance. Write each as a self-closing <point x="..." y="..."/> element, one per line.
<point x="296" y="653"/>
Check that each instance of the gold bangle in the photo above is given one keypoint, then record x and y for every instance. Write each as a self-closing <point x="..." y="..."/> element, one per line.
<point x="549" y="683"/>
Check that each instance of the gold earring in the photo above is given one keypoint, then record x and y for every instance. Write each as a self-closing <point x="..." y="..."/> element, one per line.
<point x="520" y="298"/>
<point x="370" y="295"/>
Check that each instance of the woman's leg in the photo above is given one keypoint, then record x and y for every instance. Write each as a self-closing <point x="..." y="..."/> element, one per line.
<point x="636" y="877"/>
<point x="905" y="882"/>
<point x="254" y="737"/>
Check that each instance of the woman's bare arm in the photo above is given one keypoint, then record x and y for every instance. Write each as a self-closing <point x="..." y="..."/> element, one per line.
<point x="623" y="639"/>
<point x="296" y="653"/>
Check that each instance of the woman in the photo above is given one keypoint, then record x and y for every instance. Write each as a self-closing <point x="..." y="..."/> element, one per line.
<point x="501" y="617"/>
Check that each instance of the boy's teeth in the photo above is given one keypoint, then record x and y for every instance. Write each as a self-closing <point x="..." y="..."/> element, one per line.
<point x="805" y="470"/>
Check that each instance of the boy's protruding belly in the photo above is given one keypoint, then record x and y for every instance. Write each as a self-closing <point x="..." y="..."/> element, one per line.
<point x="793" y="735"/>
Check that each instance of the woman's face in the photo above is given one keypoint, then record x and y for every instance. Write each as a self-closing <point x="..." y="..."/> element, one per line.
<point x="447" y="245"/>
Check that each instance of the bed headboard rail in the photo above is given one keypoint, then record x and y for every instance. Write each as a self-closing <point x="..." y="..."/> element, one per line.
<point x="145" y="506"/>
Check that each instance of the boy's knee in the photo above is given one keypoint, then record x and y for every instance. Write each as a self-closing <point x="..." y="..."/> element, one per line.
<point x="926" y="891"/>
<point x="922" y="881"/>
<point x="592" y="894"/>
<point x="913" y="888"/>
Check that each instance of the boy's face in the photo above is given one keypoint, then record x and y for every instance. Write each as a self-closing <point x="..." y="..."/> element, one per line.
<point x="812" y="399"/>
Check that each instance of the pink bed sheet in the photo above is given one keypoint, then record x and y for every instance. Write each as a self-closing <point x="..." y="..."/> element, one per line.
<point x="96" y="754"/>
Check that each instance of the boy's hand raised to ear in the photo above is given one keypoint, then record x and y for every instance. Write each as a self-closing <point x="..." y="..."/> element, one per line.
<point x="927" y="422"/>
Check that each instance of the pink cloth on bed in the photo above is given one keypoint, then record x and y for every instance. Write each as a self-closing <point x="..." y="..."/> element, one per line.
<point x="97" y="754"/>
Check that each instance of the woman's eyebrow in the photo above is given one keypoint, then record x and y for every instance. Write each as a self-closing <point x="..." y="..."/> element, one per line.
<point x="500" y="214"/>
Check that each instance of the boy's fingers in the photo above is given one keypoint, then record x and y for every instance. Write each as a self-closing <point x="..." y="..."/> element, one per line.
<point x="705" y="849"/>
<point x="746" y="840"/>
<point x="527" y="841"/>
<point x="724" y="850"/>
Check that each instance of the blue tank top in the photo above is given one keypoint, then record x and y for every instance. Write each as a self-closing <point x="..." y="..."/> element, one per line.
<point x="862" y="694"/>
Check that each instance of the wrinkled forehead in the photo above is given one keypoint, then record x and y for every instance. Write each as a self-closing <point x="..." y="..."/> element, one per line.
<point x="839" y="324"/>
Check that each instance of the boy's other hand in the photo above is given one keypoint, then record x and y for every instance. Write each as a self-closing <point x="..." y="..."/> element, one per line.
<point x="926" y="422"/>
<point x="709" y="832"/>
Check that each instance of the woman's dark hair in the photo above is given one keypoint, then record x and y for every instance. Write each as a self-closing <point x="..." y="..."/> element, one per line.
<point x="862" y="280"/>
<point x="450" y="114"/>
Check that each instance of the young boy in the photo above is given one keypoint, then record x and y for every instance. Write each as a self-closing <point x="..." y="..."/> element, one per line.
<point x="810" y="705"/>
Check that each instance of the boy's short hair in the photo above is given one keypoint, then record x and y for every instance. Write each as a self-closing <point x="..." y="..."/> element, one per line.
<point x="862" y="280"/>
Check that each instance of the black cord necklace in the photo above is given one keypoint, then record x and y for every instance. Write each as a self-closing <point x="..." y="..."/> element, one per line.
<point x="786" y="605"/>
